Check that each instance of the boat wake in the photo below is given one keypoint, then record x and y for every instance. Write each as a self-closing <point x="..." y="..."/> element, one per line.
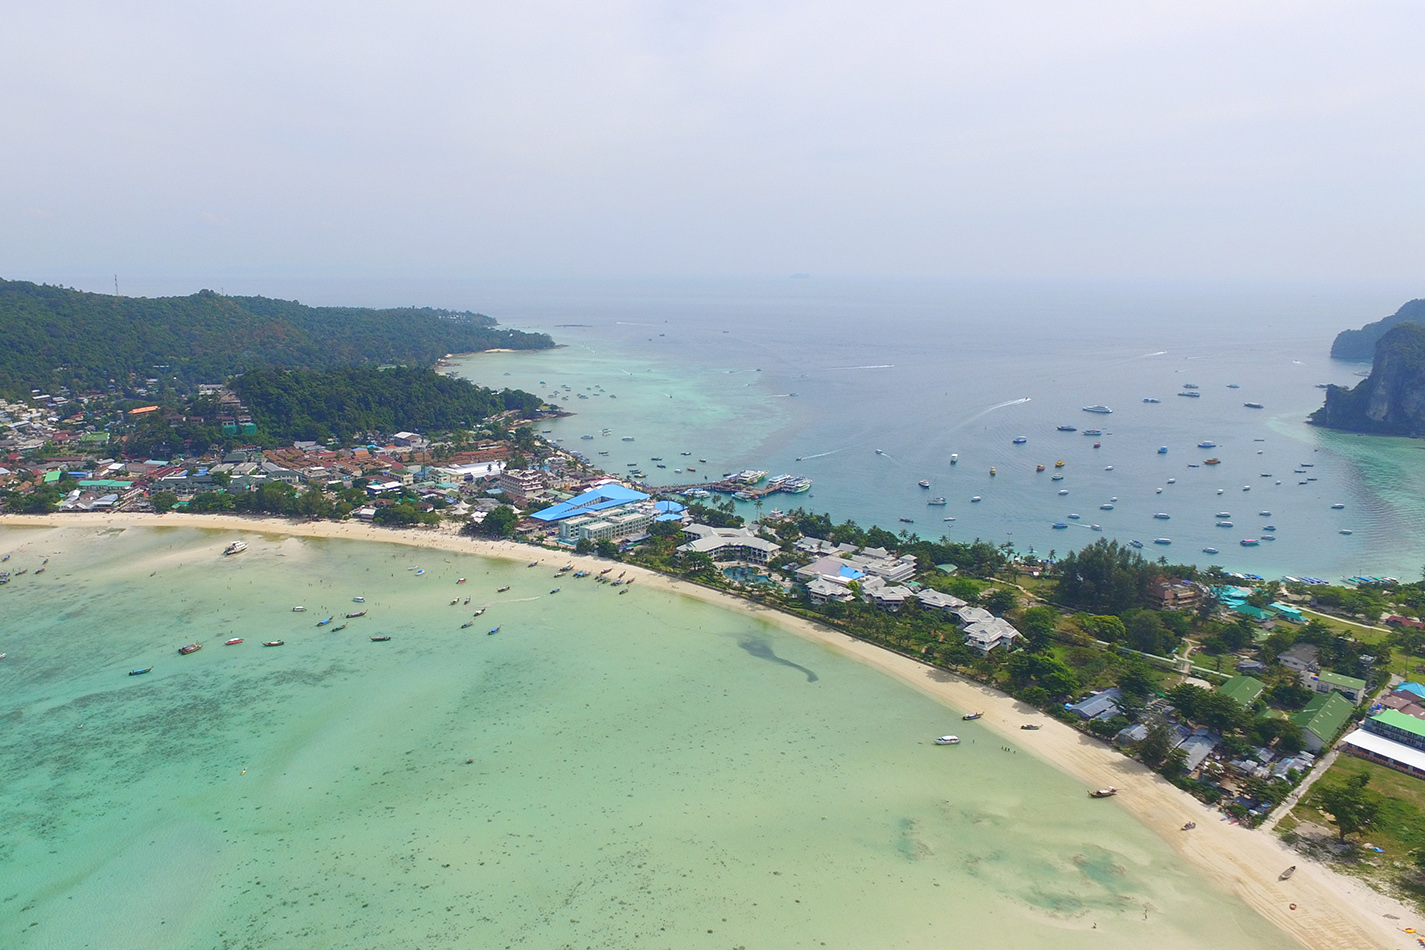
<point x="819" y="455"/>
<point x="985" y="412"/>
<point x="869" y="366"/>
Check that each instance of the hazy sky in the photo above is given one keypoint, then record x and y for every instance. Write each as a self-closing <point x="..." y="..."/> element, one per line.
<point x="1119" y="139"/>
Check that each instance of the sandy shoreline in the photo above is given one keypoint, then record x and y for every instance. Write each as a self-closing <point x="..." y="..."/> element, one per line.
<point x="1332" y="912"/>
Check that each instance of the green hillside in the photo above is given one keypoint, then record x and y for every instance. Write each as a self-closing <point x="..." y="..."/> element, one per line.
<point x="58" y="337"/>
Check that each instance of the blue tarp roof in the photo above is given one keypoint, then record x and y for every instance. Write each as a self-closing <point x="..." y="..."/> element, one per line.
<point x="595" y="499"/>
<point x="848" y="571"/>
<point x="1415" y="688"/>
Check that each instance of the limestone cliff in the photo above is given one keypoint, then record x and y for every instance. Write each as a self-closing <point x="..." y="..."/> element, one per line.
<point x="1360" y="344"/>
<point x="1391" y="401"/>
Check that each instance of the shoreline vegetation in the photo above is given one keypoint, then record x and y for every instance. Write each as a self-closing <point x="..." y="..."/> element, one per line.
<point x="1316" y="906"/>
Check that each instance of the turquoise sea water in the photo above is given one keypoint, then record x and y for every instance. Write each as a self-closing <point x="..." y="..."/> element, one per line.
<point x="924" y="370"/>
<point x="636" y="770"/>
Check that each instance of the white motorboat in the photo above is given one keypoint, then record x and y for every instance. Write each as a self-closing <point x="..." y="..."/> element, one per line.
<point x="948" y="740"/>
<point x="237" y="547"/>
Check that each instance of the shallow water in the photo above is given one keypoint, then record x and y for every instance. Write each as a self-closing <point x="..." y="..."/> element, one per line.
<point x="636" y="770"/>
<point x="923" y="370"/>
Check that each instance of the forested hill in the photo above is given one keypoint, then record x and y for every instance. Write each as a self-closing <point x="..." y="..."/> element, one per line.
<point x="346" y="403"/>
<point x="1361" y="344"/>
<point x="1391" y="401"/>
<point x="54" y="336"/>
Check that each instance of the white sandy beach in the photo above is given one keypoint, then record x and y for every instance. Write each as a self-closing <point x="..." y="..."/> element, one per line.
<point x="1331" y="912"/>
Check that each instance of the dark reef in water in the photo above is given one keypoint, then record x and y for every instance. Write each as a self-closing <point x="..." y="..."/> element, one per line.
<point x="762" y="651"/>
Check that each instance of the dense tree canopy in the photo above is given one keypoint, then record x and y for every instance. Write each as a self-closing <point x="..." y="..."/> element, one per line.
<point x="55" y="336"/>
<point x="343" y="403"/>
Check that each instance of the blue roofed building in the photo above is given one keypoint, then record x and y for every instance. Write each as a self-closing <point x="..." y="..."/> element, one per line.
<point x="597" y="499"/>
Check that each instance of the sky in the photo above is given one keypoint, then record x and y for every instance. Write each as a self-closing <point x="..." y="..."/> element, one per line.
<point x="556" y="139"/>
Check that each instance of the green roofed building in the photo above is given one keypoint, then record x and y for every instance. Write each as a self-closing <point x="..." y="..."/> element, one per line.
<point x="1256" y="613"/>
<point x="1348" y="686"/>
<point x="1323" y="717"/>
<point x="1397" y="726"/>
<point x="1243" y="690"/>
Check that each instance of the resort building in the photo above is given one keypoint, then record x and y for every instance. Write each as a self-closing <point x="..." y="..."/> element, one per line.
<point x="600" y="499"/>
<point x="1398" y="727"/>
<point x="1348" y="686"/>
<point x="987" y="635"/>
<point x="1322" y="718"/>
<point x="935" y="600"/>
<point x="617" y="525"/>
<point x="1175" y="595"/>
<point x="728" y="544"/>
<point x="522" y="484"/>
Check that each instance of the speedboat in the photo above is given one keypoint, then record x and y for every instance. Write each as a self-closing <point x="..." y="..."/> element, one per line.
<point x="974" y="497"/>
<point x="379" y="639"/>
<point x="358" y="600"/>
<point x="1068" y="428"/>
<point x="1337" y="507"/>
<point x="1224" y="524"/>
<point x="1252" y="405"/>
<point x="1151" y="399"/>
<point x="1162" y="540"/>
<point x="1162" y="516"/>
<point x="297" y="610"/>
<point x="1092" y="432"/>
<point x="1060" y="464"/>
<point x="1162" y="450"/>
<point x="1074" y="516"/>
<point x="1060" y="525"/>
<point x="924" y="483"/>
<point x="1344" y="531"/>
<point x="973" y="715"/>
<point x="1104" y="410"/>
<point x="1136" y="544"/>
<point x="1265" y="514"/>
<point x="1212" y="461"/>
<point x="954" y="458"/>
<point x="501" y="590"/>
<point x="1107" y="792"/>
<point x="237" y="547"/>
<point x="1105" y="507"/>
<point x="233" y="642"/>
<point x="1224" y="514"/>
<point x="1039" y="468"/>
<point x="1056" y="477"/>
<point x="190" y="648"/>
<point x="1250" y="542"/>
<point x="948" y="740"/>
<point x="273" y="643"/>
<point x="1209" y="550"/>
<point x="1020" y="440"/>
<point x="938" y="500"/>
<point x="1063" y="491"/>
<point x="1206" y="444"/>
<point x="146" y="669"/>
